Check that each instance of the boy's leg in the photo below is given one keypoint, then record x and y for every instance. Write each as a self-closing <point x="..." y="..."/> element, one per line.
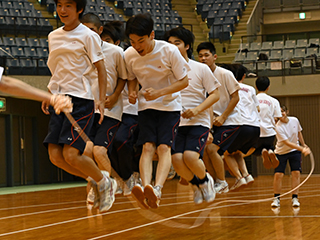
<point x="216" y="160"/>
<point x="148" y="152"/>
<point x="164" y="164"/>
<point x="56" y="157"/>
<point x="101" y="157"/>
<point x="82" y="163"/>
<point x="196" y="165"/>
<point x="277" y="182"/>
<point x="181" y="168"/>
<point x="208" y="163"/>
<point x="295" y="181"/>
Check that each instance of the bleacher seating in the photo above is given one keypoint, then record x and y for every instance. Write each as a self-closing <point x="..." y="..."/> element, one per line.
<point x="217" y="13"/>
<point x="20" y="17"/>
<point x="281" y="55"/>
<point x="24" y="55"/>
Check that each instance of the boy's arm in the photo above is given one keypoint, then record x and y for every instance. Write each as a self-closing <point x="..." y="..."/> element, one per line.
<point x="304" y="149"/>
<point x="151" y="94"/>
<point x="102" y="79"/>
<point x="218" y="121"/>
<point x="301" y="140"/>
<point x="113" y="98"/>
<point x="210" y="100"/>
<point x="21" y="89"/>
<point x="132" y="90"/>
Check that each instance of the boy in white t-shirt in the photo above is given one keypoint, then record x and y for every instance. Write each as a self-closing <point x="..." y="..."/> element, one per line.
<point x="162" y="73"/>
<point x="227" y="123"/>
<point x="269" y="113"/>
<point x="74" y="55"/>
<point x="195" y="120"/>
<point x="103" y="134"/>
<point x="21" y="89"/>
<point x="290" y="145"/>
<point x="125" y="155"/>
<point x="248" y="106"/>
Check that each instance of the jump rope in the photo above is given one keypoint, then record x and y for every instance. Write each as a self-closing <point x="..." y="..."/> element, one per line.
<point x="156" y="218"/>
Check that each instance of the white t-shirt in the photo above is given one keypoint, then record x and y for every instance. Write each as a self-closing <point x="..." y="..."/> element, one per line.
<point x="1" y="72"/>
<point x="201" y="81"/>
<point x="116" y="68"/>
<point x="160" y="68"/>
<point x="287" y="131"/>
<point x="228" y="86"/>
<point x="128" y="108"/>
<point x="269" y="110"/>
<point x="248" y="104"/>
<point x="71" y="57"/>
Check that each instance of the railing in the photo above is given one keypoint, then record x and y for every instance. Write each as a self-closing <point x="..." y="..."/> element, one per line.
<point x="254" y="21"/>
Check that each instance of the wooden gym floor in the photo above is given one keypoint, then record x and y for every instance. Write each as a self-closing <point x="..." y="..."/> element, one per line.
<point x="62" y="214"/>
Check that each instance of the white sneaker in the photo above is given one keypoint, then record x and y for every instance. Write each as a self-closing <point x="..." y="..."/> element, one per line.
<point x="136" y="178"/>
<point x="197" y="194"/>
<point x="172" y="173"/>
<point x="239" y="184"/>
<point x="128" y="185"/>
<point x="275" y="210"/>
<point x="107" y="195"/>
<point x="90" y="196"/>
<point x="153" y="195"/>
<point x="221" y="187"/>
<point x="249" y="180"/>
<point x="276" y="202"/>
<point x="207" y="189"/>
<point x="295" y="202"/>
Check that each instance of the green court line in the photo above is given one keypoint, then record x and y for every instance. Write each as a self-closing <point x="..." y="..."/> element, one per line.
<point x="41" y="187"/>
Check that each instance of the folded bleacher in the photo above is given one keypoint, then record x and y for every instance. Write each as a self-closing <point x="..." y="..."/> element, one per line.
<point x="20" y="17"/>
<point x="282" y="57"/>
<point x="221" y="16"/>
<point x="24" y="56"/>
<point x="161" y="11"/>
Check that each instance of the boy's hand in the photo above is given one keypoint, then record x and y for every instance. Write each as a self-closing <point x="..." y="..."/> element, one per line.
<point x="151" y="94"/>
<point x="60" y="103"/>
<point x="218" y="121"/>
<point x="189" y="113"/>
<point x="100" y="105"/>
<point x="306" y="151"/>
<point x="133" y="97"/>
<point x="110" y="101"/>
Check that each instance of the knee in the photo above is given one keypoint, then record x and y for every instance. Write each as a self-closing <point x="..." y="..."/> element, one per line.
<point x="99" y="151"/>
<point x="211" y="149"/>
<point x="148" y="148"/>
<point x="163" y="148"/>
<point x="70" y="156"/>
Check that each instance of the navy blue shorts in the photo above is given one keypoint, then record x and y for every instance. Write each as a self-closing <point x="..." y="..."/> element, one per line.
<point x="103" y="135"/>
<point x="192" y="138"/>
<point x="264" y="142"/>
<point x="62" y="132"/>
<point x="160" y="127"/>
<point x="246" y="139"/>
<point x="294" y="161"/>
<point x="224" y="136"/>
<point x="128" y="131"/>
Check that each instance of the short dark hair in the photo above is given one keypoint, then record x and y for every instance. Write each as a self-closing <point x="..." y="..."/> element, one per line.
<point x="207" y="46"/>
<point x="140" y="24"/>
<point x="240" y="71"/>
<point x="114" y="29"/>
<point x="184" y="35"/>
<point x="262" y="83"/>
<point x="91" y="18"/>
<point x="81" y="4"/>
<point x="284" y="108"/>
